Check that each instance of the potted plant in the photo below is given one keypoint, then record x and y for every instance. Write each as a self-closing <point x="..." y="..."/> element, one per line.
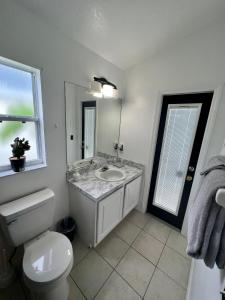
<point x="18" y="159"/>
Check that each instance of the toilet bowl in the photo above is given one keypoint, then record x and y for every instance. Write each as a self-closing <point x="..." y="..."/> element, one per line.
<point x="47" y="261"/>
<point x="48" y="255"/>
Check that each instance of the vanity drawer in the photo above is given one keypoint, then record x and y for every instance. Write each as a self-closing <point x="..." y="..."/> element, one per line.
<point x="109" y="213"/>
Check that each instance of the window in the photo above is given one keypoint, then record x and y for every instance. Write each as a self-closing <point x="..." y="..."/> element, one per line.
<point x="20" y="113"/>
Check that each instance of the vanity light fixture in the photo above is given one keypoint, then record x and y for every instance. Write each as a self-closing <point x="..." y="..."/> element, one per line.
<point x="101" y="87"/>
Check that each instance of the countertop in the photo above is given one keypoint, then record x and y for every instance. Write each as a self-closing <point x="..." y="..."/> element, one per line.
<point x="97" y="189"/>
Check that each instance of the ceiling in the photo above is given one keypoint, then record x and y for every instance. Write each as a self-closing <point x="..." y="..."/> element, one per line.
<point x="126" y="31"/>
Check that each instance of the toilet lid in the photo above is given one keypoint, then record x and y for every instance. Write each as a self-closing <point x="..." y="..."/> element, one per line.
<point x="46" y="258"/>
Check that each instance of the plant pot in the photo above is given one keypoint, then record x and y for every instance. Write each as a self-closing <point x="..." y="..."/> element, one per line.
<point x="18" y="164"/>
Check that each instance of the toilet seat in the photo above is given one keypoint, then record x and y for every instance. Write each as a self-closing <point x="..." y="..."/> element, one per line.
<point x="47" y="258"/>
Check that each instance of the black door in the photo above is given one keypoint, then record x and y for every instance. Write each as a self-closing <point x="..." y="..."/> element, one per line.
<point x="181" y="129"/>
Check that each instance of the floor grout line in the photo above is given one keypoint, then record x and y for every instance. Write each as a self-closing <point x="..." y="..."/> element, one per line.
<point x="129" y="221"/>
<point x="89" y="250"/>
<point x="164" y="271"/>
<point x="78" y="287"/>
<point x="156" y="237"/>
<point x="126" y="241"/>
<point x="113" y="268"/>
<point x="149" y="282"/>
<point x="172" y="278"/>
<point x="130" y="246"/>
<point x="135" y="239"/>
<point x="178" y="252"/>
<point x="98" y="291"/>
<point x="156" y="266"/>
<point x="104" y="280"/>
<point x="128" y="283"/>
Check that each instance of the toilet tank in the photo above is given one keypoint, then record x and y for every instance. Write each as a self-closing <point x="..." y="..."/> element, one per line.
<point x="24" y="218"/>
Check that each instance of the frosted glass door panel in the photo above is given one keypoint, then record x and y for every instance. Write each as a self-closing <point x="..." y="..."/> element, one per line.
<point x="89" y="142"/>
<point x="179" y="133"/>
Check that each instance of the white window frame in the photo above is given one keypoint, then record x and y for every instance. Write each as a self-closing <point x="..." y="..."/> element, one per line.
<point x="37" y="118"/>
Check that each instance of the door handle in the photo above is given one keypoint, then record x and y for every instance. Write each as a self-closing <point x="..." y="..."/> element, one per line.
<point x="191" y="169"/>
<point x="189" y="178"/>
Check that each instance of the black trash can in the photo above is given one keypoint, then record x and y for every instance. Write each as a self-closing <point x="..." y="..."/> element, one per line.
<point x="67" y="226"/>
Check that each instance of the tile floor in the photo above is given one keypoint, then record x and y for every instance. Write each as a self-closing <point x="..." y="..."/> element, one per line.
<point x="143" y="258"/>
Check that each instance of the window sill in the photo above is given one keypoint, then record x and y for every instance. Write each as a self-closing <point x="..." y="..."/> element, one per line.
<point x="28" y="168"/>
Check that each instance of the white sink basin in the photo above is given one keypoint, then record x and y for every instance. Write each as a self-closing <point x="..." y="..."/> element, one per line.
<point x="112" y="174"/>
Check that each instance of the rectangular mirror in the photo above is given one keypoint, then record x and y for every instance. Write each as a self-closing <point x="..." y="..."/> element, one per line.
<point x="92" y="124"/>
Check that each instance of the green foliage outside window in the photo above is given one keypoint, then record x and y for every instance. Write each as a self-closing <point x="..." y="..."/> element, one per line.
<point x="12" y="128"/>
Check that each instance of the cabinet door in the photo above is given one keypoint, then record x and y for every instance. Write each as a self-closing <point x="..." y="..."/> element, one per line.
<point x="132" y="195"/>
<point x="109" y="213"/>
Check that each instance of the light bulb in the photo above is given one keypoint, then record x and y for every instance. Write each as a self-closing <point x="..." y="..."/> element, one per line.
<point x="107" y="91"/>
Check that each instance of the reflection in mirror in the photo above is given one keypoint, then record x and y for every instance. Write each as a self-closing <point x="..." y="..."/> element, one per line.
<point x="92" y="125"/>
<point x="88" y="128"/>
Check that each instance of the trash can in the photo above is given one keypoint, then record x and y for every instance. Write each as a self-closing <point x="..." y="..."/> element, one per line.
<point x="67" y="226"/>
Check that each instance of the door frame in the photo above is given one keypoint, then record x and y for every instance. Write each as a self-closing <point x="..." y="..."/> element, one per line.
<point x="217" y="97"/>
<point x="179" y="99"/>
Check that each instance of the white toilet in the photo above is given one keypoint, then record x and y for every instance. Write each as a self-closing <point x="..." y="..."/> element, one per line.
<point x="48" y="255"/>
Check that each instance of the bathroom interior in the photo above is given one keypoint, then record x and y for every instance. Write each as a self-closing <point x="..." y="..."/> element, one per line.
<point x="112" y="149"/>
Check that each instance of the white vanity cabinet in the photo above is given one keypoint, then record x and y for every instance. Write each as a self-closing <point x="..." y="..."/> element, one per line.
<point x="110" y="212"/>
<point x="132" y="195"/>
<point x="96" y="218"/>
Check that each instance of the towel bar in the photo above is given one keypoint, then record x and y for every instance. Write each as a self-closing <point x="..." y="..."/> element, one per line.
<point x="220" y="197"/>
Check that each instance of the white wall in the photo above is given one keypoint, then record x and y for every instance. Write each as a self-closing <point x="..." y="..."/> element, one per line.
<point x="26" y="39"/>
<point x="205" y="283"/>
<point x="193" y="64"/>
<point x="200" y="274"/>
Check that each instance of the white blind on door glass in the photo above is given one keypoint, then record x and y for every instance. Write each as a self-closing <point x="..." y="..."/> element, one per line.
<point x="89" y="133"/>
<point x="179" y="133"/>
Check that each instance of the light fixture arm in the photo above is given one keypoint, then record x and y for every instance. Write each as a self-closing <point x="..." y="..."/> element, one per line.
<point x="103" y="81"/>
